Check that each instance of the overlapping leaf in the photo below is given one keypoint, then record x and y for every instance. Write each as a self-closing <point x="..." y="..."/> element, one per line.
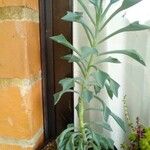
<point x="107" y="113"/>
<point x="87" y="95"/>
<point x="128" y="3"/>
<point x="109" y="59"/>
<point x="131" y="53"/>
<point x="73" y="16"/>
<point x="88" y="51"/>
<point x="71" y="58"/>
<point x="113" y="1"/>
<point x="62" y="40"/>
<point x="114" y="86"/>
<point x="135" y="26"/>
<point x="100" y="77"/>
<point x="95" y="2"/>
<point x="67" y="83"/>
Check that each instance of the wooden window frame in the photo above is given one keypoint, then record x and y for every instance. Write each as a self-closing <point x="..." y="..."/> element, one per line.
<point x="48" y="27"/>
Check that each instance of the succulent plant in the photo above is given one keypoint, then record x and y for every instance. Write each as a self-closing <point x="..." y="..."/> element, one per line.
<point x="93" y="79"/>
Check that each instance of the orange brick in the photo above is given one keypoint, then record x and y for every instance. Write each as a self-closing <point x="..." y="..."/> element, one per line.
<point x="28" y="3"/>
<point x="20" y="117"/>
<point x="35" y="98"/>
<point x="13" y="147"/>
<point x="19" y="48"/>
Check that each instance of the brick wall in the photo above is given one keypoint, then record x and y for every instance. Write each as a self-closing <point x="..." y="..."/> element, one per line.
<point x="21" y="122"/>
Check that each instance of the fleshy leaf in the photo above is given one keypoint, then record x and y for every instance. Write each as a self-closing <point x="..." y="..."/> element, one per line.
<point x="87" y="95"/>
<point x="97" y="89"/>
<point x="109" y="91"/>
<point x="135" y="26"/>
<point x="119" y="121"/>
<point x="95" y="2"/>
<point x="129" y="3"/>
<point x="131" y="53"/>
<point x="77" y="108"/>
<point x="87" y="51"/>
<point x="113" y="1"/>
<point x="106" y="113"/>
<point x="73" y="16"/>
<point x="62" y="40"/>
<point x="67" y="83"/>
<point x="104" y="125"/>
<point x="57" y="97"/>
<point x="71" y="58"/>
<point x="114" y="86"/>
<point x="64" y="137"/>
<point x="109" y="59"/>
<point x="100" y="77"/>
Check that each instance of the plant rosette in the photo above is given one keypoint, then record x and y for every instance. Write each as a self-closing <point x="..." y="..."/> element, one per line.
<point x="92" y="78"/>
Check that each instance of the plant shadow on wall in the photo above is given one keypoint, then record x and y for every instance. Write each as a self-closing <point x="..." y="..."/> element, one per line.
<point x="93" y="79"/>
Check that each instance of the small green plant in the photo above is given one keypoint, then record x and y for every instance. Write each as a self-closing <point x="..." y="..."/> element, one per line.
<point x="93" y="79"/>
<point x="138" y="135"/>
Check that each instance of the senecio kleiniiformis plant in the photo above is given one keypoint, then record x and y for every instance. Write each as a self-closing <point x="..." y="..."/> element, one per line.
<point x="93" y="79"/>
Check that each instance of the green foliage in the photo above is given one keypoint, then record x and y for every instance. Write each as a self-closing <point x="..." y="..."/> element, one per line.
<point x="145" y="141"/>
<point x="93" y="79"/>
<point x="138" y="138"/>
<point x="71" y="139"/>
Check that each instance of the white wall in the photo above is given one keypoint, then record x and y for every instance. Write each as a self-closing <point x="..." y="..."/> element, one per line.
<point x="133" y="77"/>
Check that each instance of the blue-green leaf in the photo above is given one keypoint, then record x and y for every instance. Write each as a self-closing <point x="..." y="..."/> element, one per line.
<point x="109" y="91"/>
<point x="73" y="16"/>
<point x="97" y="89"/>
<point x="57" y="97"/>
<point x="95" y="2"/>
<point x="114" y="86"/>
<point x="135" y="26"/>
<point x="105" y="125"/>
<point x="126" y="4"/>
<point x="131" y="53"/>
<point x="110" y="143"/>
<point x="106" y="113"/>
<point x="77" y="109"/>
<point x="87" y="95"/>
<point x="119" y="121"/>
<point x="71" y="58"/>
<point x="67" y="83"/>
<point x="100" y="77"/>
<point x="62" y="40"/>
<point x="110" y="60"/>
<point x="87" y="51"/>
<point x="129" y="3"/>
<point x="113" y="1"/>
<point x="64" y="137"/>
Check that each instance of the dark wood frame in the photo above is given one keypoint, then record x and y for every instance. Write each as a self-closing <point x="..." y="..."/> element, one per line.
<point x="49" y="25"/>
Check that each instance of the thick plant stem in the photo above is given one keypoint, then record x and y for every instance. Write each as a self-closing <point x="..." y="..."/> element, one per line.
<point x="86" y="77"/>
<point x="81" y="118"/>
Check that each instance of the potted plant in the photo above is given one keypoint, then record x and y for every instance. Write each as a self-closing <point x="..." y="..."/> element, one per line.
<point x="93" y="79"/>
